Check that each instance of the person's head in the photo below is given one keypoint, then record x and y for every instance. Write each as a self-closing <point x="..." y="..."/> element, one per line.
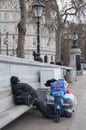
<point x="14" y="80"/>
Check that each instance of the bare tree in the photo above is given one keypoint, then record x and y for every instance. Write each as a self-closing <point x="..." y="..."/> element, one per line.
<point x="72" y="9"/>
<point x="22" y="30"/>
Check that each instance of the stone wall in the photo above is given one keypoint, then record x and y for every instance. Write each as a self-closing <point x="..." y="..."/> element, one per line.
<point x="27" y="71"/>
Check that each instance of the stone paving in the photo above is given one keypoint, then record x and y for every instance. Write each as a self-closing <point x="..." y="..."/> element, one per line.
<point x="33" y="120"/>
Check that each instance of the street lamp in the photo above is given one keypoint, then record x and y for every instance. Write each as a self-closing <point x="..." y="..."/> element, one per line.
<point x="38" y="8"/>
<point x="6" y="43"/>
<point x="74" y="38"/>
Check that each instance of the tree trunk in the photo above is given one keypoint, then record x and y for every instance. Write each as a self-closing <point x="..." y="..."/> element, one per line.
<point x="58" y="45"/>
<point x="21" y="30"/>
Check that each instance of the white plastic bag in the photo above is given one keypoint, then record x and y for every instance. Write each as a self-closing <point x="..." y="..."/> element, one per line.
<point x="70" y="98"/>
<point x="50" y="99"/>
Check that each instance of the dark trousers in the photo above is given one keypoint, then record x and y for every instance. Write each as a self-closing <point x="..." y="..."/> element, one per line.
<point x="42" y="108"/>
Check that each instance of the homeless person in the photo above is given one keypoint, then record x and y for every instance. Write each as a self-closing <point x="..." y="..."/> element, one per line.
<point x="23" y="93"/>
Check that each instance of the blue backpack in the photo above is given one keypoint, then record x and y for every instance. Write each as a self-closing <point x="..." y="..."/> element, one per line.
<point x="57" y="87"/>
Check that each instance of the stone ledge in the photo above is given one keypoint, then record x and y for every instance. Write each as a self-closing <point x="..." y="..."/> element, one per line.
<point x="11" y="114"/>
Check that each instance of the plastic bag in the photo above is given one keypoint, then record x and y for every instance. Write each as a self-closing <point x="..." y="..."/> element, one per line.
<point x="70" y="99"/>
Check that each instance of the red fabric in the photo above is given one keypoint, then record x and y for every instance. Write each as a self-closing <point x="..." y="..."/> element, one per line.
<point x="67" y="91"/>
<point x="56" y="86"/>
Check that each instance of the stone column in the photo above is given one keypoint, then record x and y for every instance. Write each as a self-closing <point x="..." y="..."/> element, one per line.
<point x="75" y="60"/>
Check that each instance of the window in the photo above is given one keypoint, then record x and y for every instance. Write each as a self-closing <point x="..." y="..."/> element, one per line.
<point x="6" y="17"/>
<point x="51" y="58"/>
<point x="16" y="16"/>
<point x="5" y="29"/>
<point x="5" y="5"/>
<point x="14" y="4"/>
<point x="34" y="40"/>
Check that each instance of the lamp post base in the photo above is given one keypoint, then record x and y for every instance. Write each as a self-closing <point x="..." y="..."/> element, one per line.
<point x="75" y="45"/>
<point x="38" y="58"/>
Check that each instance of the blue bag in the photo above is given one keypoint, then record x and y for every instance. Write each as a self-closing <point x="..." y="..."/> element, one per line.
<point x="57" y="86"/>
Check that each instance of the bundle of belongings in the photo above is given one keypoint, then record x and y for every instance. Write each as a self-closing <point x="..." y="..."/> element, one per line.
<point x="60" y="101"/>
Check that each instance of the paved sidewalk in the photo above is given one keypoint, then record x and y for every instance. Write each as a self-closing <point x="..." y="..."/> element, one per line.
<point x="79" y="122"/>
<point x="34" y="121"/>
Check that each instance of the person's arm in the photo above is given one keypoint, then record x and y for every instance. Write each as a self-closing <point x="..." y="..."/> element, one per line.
<point x="26" y="87"/>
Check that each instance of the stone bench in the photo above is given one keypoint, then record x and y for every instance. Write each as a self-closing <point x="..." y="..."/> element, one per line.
<point x="8" y="110"/>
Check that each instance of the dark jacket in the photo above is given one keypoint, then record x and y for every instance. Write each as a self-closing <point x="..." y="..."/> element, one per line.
<point x="23" y="88"/>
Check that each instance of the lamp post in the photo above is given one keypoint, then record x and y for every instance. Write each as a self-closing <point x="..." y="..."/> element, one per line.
<point x="38" y="8"/>
<point x="74" y="38"/>
<point x="6" y="43"/>
<point x="75" y="55"/>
